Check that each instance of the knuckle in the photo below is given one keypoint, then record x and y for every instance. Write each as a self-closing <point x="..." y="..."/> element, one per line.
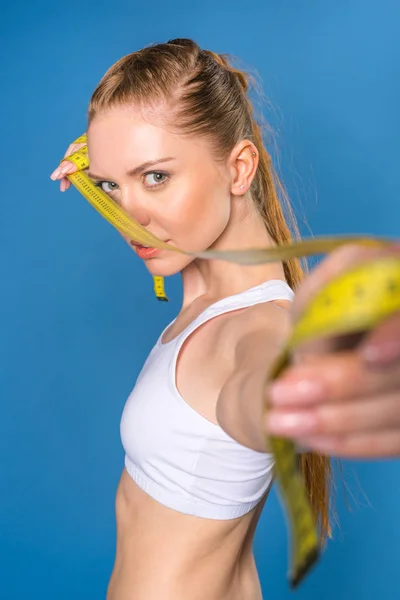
<point x="74" y="148"/>
<point x="67" y="163"/>
<point x="345" y="377"/>
<point x="331" y="419"/>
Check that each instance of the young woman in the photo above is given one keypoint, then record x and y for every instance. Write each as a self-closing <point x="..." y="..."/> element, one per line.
<point x="172" y="139"/>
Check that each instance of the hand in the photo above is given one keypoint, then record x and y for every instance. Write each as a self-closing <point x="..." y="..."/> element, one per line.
<point x="66" y="167"/>
<point x="346" y="403"/>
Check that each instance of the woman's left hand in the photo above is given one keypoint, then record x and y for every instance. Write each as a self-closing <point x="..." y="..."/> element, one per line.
<point x="345" y="403"/>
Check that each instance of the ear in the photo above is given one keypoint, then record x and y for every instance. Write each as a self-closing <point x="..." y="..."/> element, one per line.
<point x="243" y="163"/>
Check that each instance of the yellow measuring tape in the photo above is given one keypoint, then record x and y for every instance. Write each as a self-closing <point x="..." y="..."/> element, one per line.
<point x="353" y="302"/>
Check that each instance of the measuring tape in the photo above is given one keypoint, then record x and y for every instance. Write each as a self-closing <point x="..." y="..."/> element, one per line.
<point x="352" y="302"/>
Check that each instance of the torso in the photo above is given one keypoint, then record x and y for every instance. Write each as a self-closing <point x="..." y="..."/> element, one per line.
<point x="162" y="554"/>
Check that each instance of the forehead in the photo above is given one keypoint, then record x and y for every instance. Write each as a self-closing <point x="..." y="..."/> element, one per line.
<point x="123" y="127"/>
<point x="138" y="133"/>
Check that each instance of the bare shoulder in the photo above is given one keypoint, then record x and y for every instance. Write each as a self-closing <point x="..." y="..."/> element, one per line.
<point x="243" y="339"/>
<point x="263" y="326"/>
<point x="215" y="351"/>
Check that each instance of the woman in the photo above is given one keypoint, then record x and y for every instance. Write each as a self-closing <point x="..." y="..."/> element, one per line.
<point x="172" y="139"/>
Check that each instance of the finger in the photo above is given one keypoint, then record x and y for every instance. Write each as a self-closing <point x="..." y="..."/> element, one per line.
<point x="376" y="444"/>
<point x="354" y="417"/>
<point x="74" y="148"/>
<point x="66" y="166"/>
<point x="64" y="184"/>
<point x="331" y="379"/>
<point x="381" y="346"/>
<point x="370" y="414"/>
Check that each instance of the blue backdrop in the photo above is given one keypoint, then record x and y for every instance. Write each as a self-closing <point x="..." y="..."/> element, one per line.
<point x="78" y="313"/>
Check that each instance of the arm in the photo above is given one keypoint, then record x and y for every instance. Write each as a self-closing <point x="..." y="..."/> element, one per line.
<point x="240" y="403"/>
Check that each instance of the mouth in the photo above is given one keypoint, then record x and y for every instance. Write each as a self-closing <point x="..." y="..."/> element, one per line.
<point x="133" y="243"/>
<point x="145" y="252"/>
<point x="138" y="245"/>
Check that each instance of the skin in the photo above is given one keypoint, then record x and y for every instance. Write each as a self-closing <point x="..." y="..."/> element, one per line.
<point x="197" y="204"/>
<point x="354" y="411"/>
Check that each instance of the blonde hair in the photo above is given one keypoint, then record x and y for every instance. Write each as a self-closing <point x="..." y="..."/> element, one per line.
<point x="210" y="97"/>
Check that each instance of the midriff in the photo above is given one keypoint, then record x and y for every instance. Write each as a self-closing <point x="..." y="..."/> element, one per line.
<point x="162" y="554"/>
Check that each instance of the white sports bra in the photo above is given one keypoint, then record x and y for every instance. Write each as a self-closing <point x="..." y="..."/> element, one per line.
<point x="177" y="456"/>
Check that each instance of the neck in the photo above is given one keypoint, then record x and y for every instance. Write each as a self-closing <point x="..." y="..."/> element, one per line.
<point x="211" y="280"/>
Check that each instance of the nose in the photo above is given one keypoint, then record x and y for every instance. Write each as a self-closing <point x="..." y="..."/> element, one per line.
<point x="135" y="208"/>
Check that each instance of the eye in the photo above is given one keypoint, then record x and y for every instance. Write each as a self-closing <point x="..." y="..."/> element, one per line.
<point x="100" y="184"/>
<point x="155" y="178"/>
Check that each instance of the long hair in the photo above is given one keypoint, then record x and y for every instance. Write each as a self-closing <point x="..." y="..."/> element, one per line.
<point x="209" y="97"/>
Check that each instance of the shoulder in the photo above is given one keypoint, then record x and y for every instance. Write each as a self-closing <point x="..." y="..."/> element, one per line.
<point x="263" y="326"/>
<point x="237" y="339"/>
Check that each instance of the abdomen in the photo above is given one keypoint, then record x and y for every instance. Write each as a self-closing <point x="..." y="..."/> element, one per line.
<point x="163" y="554"/>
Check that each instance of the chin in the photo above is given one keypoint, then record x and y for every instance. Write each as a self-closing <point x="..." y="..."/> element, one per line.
<point x="166" y="268"/>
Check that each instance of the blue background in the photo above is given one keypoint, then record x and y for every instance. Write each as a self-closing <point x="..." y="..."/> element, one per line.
<point x="78" y="313"/>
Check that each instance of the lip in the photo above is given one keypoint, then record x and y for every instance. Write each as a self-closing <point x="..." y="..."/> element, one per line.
<point x="145" y="252"/>
<point x="133" y="243"/>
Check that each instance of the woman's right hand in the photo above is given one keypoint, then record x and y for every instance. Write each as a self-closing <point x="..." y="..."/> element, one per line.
<point x="66" y="167"/>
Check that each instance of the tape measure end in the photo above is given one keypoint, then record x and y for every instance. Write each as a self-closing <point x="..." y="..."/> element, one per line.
<point x="304" y="568"/>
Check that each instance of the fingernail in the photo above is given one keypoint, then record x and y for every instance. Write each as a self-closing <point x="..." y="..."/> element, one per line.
<point x="299" y="423"/>
<point x="284" y="392"/>
<point x="60" y="171"/>
<point x="65" y="169"/>
<point x="55" y="174"/>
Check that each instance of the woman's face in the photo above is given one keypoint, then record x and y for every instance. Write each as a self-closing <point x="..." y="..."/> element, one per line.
<point x="170" y="183"/>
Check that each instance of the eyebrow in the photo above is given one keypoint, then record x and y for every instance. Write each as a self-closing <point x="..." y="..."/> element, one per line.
<point x="140" y="168"/>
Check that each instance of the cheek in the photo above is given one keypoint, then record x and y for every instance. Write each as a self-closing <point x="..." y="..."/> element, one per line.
<point x="200" y="213"/>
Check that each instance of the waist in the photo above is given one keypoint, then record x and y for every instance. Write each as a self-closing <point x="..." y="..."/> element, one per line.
<point x="165" y="554"/>
<point x="142" y="578"/>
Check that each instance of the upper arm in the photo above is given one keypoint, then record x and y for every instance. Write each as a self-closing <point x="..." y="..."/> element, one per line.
<point x="240" y="404"/>
<point x="263" y="340"/>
